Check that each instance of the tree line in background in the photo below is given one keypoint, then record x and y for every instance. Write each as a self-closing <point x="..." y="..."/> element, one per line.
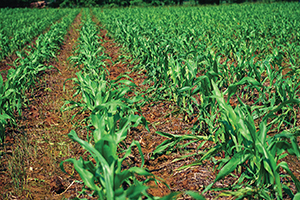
<point x="113" y="3"/>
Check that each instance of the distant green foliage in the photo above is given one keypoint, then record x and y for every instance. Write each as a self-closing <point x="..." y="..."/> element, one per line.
<point x="19" y="26"/>
<point x="112" y="3"/>
<point x="116" y="3"/>
<point x="122" y="3"/>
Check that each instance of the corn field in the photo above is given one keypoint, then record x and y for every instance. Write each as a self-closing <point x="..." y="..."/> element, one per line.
<point x="229" y="74"/>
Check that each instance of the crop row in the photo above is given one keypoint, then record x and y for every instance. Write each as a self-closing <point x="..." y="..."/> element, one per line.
<point x="11" y="12"/>
<point x="111" y="115"/>
<point x="27" y="69"/>
<point x="21" y="28"/>
<point x="234" y="70"/>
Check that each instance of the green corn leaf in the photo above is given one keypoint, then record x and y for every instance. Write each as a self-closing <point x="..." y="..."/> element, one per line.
<point x="286" y="168"/>
<point x="246" y="80"/>
<point x="237" y="159"/>
<point x="85" y="174"/>
<point x="195" y="195"/>
<point x="297" y="196"/>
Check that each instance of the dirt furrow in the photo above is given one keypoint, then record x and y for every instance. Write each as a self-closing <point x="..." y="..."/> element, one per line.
<point x="158" y="114"/>
<point x="35" y="149"/>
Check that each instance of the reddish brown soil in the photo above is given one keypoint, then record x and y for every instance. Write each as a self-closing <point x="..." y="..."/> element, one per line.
<point x="162" y="167"/>
<point x="195" y="178"/>
<point x="40" y="141"/>
<point x="34" y="150"/>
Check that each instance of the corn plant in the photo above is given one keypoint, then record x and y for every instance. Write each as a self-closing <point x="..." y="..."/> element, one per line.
<point x="106" y="178"/>
<point x="250" y="53"/>
<point x="21" y="27"/>
<point x="254" y="155"/>
<point x="92" y="81"/>
<point x="97" y="93"/>
<point x="88" y="52"/>
<point x="111" y="116"/>
<point x="217" y="41"/>
<point x="7" y="97"/>
<point x="28" y="68"/>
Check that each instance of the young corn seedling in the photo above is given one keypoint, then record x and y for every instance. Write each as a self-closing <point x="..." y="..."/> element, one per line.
<point x="252" y="153"/>
<point x="107" y="178"/>
<point x="28" y="67"/>
<point x="112" y="114"/>
<point x="7" y="107"/>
